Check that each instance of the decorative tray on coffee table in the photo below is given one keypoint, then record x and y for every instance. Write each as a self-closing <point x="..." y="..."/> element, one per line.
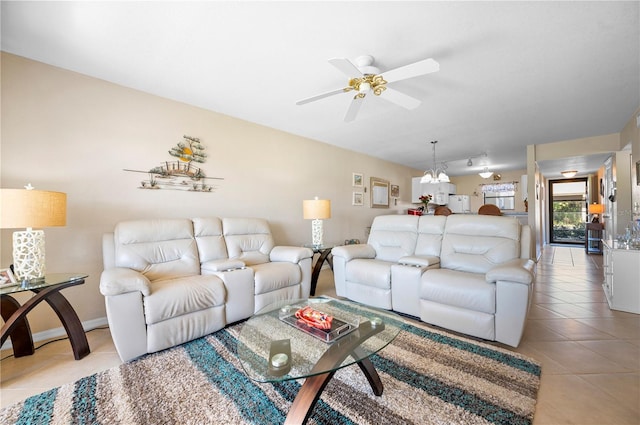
<point x="339" y="326"/>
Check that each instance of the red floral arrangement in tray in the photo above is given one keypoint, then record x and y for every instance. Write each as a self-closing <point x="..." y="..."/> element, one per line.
<point x="314" y="318"/>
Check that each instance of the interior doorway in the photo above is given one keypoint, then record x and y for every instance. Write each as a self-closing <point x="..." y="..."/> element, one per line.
<point x="568" y="211"/>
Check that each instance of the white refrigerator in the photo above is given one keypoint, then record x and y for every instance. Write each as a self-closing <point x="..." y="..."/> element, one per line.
<point x="459" y="204"/>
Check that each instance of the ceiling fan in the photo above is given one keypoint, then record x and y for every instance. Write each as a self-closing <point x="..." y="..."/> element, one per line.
<point x="364" y="78"/>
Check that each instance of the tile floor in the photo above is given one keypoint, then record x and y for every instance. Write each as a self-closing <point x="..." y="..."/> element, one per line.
<point x="590" y="355"/>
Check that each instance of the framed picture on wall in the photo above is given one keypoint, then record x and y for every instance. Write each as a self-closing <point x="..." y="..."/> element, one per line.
<point x="379" y="193"/>
<point x="395" y="191"/>
<point x="357" y="180"/>
<point x="358" y="198"/>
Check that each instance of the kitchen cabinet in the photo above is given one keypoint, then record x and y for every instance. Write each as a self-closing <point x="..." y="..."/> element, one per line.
<point x="440" y="191"/>
<point x="621" y="277"/>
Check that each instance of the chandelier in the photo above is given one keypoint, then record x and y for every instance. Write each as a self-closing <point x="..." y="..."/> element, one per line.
<point x="435" y="175"/>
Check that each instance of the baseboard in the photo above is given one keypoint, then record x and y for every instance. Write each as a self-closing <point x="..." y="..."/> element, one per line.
<point x="59" y="332"/>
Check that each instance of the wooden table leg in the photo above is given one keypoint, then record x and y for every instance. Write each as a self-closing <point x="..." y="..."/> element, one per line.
<point x="313" y="386"/>
<point x="307" y="397"/>
<point x="372" y="375"/>
<point x="317" y="267"/>
<point x="71" y="323"/>
<point x="21" y="339"/>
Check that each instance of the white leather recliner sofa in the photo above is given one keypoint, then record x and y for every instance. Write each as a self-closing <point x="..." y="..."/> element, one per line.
<point x="169" y="281"/>
<point x="472" y="274"/>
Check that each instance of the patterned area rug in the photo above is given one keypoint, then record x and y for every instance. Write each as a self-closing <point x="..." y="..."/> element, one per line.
<point x="429" y="377"/>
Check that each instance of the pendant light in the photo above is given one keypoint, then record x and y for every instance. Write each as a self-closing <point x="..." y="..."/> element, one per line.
<point x="486" y="173"/>
<point x="435" y="175"/>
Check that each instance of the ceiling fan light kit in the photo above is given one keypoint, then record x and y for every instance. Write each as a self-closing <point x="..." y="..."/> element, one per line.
<point x="365" y="78"/>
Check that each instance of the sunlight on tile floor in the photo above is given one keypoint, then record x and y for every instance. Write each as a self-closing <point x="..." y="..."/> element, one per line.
<point x="590" y="355"/>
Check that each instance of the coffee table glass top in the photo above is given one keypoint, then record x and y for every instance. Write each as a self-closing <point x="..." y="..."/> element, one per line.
<point x="358" y="331"/>
<point x="51" y="279"/>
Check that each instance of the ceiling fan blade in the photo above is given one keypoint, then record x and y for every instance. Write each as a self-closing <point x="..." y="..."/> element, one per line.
<point x="323" y="95"/>
<point x="399" y="98"/>
<point x="422" y="67"/>
<point x="345" y="65"/>
<point x="354" y="107"/>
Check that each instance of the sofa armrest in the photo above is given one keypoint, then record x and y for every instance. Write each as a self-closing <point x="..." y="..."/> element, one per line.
<point x="291" y="254"/>
<point x="518" y="271"/>
<point x="419" y="260"/>
<point x="350" y="252"/>
<point x="222" y="265"/>
<point x="121" y="280"/>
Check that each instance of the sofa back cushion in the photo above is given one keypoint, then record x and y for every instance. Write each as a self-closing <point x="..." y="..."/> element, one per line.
<point x="476" y="243"/>
<point x="248" y="239"/>
<point x="394" y="236"/>
<point x="210" y="240"/>
<point x="157" y="248"/>
<point x="430" y="231"/>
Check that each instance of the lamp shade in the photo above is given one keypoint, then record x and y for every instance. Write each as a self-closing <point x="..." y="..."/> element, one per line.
<point x="596" y="208"/>
<point x="313" y="209"/>
<point x="22" y="208"/>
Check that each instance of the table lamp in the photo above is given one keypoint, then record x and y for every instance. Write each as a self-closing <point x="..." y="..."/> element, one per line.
<point x="30" y="208"/>
<point x="316" y="210"/>
<point x="595" y="210"/>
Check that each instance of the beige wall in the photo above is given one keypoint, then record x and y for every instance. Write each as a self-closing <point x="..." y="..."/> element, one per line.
<point x="578" y="147"/>
<point x="67" y="132"/>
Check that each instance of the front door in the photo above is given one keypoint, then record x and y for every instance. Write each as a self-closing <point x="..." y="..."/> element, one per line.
<point x="568" y="210"/>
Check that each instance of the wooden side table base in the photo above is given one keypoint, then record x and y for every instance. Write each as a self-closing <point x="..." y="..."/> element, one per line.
<point x="17" y="326"/>
<point x="21" y="339"/>
<point x="324" y="253"/>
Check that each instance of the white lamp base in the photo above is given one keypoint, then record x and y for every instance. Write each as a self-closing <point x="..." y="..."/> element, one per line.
<point x="28" y="254"/>
<point x="316" y="232"/>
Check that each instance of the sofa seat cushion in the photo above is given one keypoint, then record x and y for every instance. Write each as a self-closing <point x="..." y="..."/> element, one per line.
<point x="175" y="297"/>
<point x="374" y="273"/>
<point x="272" y="276"/>
<point x="469" y="291"/>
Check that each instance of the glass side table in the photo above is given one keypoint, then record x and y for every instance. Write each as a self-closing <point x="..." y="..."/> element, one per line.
<point x="46" y="289"/>
<point x="324" y="250"/>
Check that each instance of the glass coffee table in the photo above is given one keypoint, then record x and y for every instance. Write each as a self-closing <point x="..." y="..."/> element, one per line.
<point x="274" y="346"/>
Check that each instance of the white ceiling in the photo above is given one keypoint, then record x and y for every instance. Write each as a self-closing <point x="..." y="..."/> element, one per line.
<point x="511" y="74"/>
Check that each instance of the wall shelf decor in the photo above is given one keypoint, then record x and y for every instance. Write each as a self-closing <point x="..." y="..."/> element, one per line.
<point x="180" y="174"/>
